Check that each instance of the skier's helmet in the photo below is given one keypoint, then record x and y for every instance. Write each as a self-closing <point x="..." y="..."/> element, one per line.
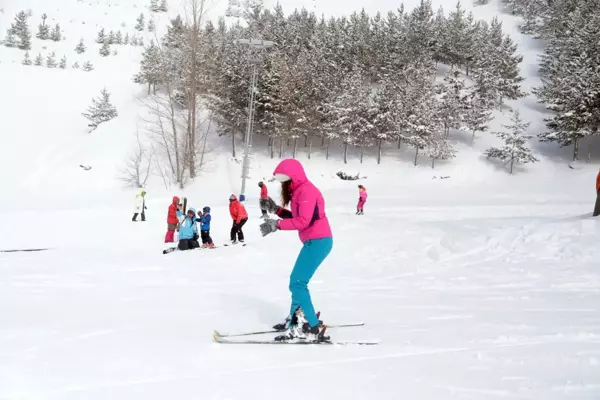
<point x="260" y="184"/>
<point x="206" y="209"/>
<point x="233" y="197"/>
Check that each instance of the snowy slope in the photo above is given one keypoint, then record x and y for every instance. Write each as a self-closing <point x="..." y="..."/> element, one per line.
<point x="479" y="286"/>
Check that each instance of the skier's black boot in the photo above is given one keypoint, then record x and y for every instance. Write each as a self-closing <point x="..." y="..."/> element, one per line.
<point x="294" y="321"/>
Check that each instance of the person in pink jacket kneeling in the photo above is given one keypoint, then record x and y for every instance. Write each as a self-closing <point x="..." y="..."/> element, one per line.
<point x="362" y="199"/>
<point x="307" y="216"/>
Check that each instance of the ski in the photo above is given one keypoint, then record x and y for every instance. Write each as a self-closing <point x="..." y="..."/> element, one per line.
<point x="22" y="250"/>
<point x="222" y="340"/>
<point x="227" y="244"/>
<point x="224" y="335"/>
<point x="172" y="249"/>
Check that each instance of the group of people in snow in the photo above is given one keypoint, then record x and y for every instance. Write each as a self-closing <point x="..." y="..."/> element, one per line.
<point x="187" y="226"/>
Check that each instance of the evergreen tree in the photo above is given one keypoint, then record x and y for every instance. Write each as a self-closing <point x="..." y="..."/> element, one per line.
<point x="63" y="62"/>
<point x="43" y="29"/>
<point x="478" y="114"/>
<point x="163" y="6"/>
<point x="509" y="72"/>
<point x="10" y="40"/>
<point x="56" y="35"/>
<point x="27" y="60"/>
<point x="439" y="148"/>
<point x="141" y="42"/>
<point x="119" y="38"/>
<point x="51" y="60"/>
<point x="101" y="110"/>
<point x="451" y="102"/>
<point x="151" y="67"/>
<point x="21" y="30"/>
<point x="134" y="41"/>
<point x="515" y="142"/>
<point x="154" y="6"/>
<point x="101" y="36"/>
<point x="38" y="60"/>
<point x="80" y="48"/>
<point x="126" y="39"/>
<point x="111" y="37"/>
<point x="87" y="66"/>
<point x="105" y="49"/>
<point x="140" y="23"/>
<point x="151" y="26"/>
<point x="75" y="65"/>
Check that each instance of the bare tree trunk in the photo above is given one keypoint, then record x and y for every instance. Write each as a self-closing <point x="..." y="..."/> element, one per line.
<point x="233" y="144"/>
<point x="205" y="140"/>
<point x="379" y="151"/>
<point x="361" y="154"/>
<point x="306" y="141"/>
<point x="576" y="150"/>
<point x="309" y="148"/>
<point x="272" y="148"/>
<point x="323" y="141"/>
<point x="149" y="88"/>
<point x="295" y="147"/>
<point x="512" y="161"/>
<point x="416" y="156"/>
<point x="345" y="153"/>
<point x="432" y="162"/>
<point x="399" y="142"/>
<point x="327" y="149"/>
<point x="280" y="148"/>
<point x="473" y="139"/>
<point x="589" y="149"/>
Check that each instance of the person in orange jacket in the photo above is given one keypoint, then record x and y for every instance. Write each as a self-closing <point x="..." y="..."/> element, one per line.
<point x="172" y="220"/>
<point x="240" y="217"/>
<point x="597" y="206"/>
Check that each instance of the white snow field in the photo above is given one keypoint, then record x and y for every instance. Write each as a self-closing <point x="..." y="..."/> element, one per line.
<point x="479" y="286"/>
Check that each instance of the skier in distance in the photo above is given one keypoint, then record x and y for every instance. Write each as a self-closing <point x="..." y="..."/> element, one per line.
<point x="307" y="216"/>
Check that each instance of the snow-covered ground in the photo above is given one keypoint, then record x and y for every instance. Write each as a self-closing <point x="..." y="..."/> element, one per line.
<point x="479" y="286"/>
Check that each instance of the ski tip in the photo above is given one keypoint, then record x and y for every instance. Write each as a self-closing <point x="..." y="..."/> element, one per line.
<point x="216" y="333"/>
<point x="216" y="338"/>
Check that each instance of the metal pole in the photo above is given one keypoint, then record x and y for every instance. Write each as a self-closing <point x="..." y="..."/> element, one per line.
<point x="246" y="162"/>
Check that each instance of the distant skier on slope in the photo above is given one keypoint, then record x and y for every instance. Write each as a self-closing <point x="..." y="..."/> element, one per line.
<point x="205" y="219"/>
<point x="188" y="231"/>
<point x="264" y="194"/>
<point x="308" y="217"/>
<point x="140" y="206"/>
<point x="172" y="220"/>
<point x="597" y="206"/>
<point x="240" y="217"/>
<point x="362" y="199"/>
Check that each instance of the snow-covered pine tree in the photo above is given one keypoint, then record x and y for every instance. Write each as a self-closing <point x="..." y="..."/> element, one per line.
<point x="515" y="143"/>
<point x="105" y="49"/>
<point x="154" y="6"/>
<point x="51" y="60"/>
<point x="439" y="148"/>
<point x="101" y="38"/>
<point x="509" y="71"/>
<point x="10" y="39"/>
<point x="126" y="39"/>
<point x="119" y="38"/>
<point x="43" y="29"/>
<point x="38" y="60"/>
<point x="134" y="41"/>
<point x="80" y="48"/>
<point x="163" y="6"/>
<point x="87" y="66"/>
<point x="21" y="31"/>
<point x="457" y="37"/>
<point x="101" y="110"/>
<point x="141" y="42"/>
<point x="75" y="65"/>
<point x="451" y="102"/>
<point x="140" y="23"/>
<point x="477" y="115"/>
<point x="150" y="68"/>
<point x="111" y="37"/>
<point x="151" y="25"/>
<point x="56" y="35"/>
<point x="27" y="60"/>
<point x="63" y="63"/>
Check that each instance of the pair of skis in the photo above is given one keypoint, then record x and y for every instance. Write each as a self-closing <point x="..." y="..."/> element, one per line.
<point x="172" y="249"/>
<point x="226" y="338"/>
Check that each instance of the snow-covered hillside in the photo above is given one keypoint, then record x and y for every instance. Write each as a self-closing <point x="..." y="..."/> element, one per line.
<point x="478" y="286"/>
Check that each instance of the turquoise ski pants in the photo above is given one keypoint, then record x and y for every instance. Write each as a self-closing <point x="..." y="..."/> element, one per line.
<point x="311" y="256"/>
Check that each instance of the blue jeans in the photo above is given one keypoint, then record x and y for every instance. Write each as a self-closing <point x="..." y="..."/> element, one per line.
<point x="311" y="256"/>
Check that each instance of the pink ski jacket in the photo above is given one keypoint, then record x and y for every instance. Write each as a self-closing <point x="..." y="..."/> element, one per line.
<point x="307" y="204"/>
<point x="363" y="194"/>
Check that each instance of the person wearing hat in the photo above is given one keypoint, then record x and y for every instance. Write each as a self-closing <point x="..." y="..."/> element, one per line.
<point x="264" y="194"/>
<point x="205" y="219"/>
<point x="362" y="199"/>
<point x="173" y="219"/>
<point x="188" y="231"/>
<point x="140" y="206"/>
<point x="240" y="217"/>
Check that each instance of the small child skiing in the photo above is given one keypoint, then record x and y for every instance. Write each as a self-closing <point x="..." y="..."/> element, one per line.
<point x="205" y="228"/>
<point x="264" y="194"/>
<point x="362" y="199"/>
<point x="188" y="231"/>
<point x="240" y="217"/>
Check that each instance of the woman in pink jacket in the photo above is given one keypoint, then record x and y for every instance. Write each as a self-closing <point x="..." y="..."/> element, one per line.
<point x="362" y="199"/>
<point x="307" y="216"/>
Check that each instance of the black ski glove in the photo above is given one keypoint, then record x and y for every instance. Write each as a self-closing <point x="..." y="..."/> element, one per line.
<point x="269" y="226"/>
<point x="269" y="205"/>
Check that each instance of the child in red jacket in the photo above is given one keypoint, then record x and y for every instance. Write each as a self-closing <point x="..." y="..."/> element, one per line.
<point x="172" y="220"/>
<point x="264" y="194"/>
<point x="240" y="217"/>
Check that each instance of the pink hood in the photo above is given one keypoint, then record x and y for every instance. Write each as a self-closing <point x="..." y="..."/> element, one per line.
<point x="307" y="205"/>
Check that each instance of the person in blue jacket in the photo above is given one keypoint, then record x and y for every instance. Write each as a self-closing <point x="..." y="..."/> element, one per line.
<point x="188" y="231"/>
<point x="205" y="228"/>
